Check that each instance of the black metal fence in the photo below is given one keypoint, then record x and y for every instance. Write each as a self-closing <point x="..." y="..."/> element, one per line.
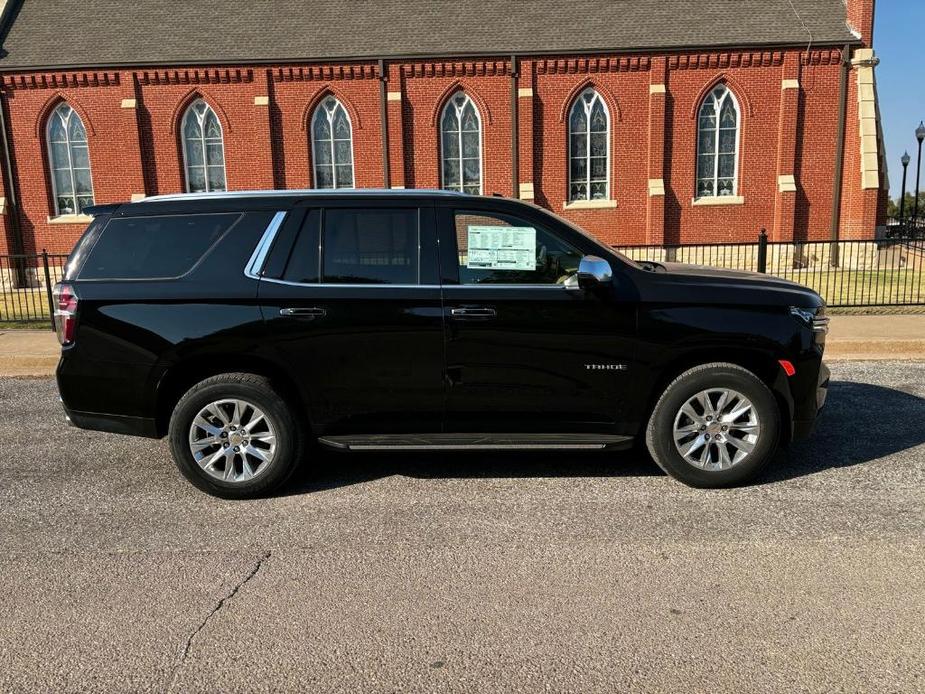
<point x="889" y="271"/>
<point x="26" y="282"/>
<point x="906" y="228"/>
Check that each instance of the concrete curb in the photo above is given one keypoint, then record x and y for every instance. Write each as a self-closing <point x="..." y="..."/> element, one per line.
<point x="905" y="350"/>
<point x="24" y="369"/>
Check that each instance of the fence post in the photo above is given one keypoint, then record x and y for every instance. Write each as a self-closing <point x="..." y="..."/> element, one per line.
<point x="763" y="250"/>
<point x="51" y="299"/>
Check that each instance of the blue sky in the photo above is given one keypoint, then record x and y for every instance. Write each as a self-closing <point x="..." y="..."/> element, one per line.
<point x="899" y="32"/>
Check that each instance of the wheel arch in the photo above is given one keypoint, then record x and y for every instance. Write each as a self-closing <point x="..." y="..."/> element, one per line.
<point x="759" y="362"/>
<point x="180" y="377"/>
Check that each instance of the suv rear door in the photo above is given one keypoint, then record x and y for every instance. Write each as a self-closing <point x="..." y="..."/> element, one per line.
<point x="351" y="299"/>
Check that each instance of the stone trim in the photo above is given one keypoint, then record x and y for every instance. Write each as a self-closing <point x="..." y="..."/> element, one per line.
<point x="525" y="92"/>
<point x="2" y="206"/>
<point x="863" y="62"/>
<point x="129" y="103"/>
<point x="589" y="204"/>
<point x="261" y="100"/>
<point x="393" y="96"/>
<point x="137" y="196"/>
<point x="787" y="184"/>
<point x="526" y="191"/>
<point x="398" y="187"/>
<point x="657" y="89"/>
<point x="656" y="187"/>
<point x="790" y="84"/>
<point x="70" y="219"/>
<point x="719" y="200"/>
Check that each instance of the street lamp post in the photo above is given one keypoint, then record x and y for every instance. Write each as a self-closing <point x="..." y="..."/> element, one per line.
<point x="919" y="135"/>
<point x="902" y="200"/>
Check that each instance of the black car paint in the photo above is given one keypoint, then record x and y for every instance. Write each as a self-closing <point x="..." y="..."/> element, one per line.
<point x="391" y="359"/>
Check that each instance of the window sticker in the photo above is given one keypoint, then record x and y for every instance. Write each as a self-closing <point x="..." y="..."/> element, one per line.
<point x="501" y="248"/>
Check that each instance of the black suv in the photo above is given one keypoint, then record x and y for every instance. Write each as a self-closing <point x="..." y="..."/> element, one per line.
<point x="250" y="327"/>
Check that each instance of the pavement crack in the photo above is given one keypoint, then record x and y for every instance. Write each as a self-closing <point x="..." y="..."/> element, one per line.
<point x="183" y="653"/>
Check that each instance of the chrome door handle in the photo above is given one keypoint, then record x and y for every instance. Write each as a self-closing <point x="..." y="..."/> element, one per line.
<point x="310" y="313"/>
<point x="479" y="313"/>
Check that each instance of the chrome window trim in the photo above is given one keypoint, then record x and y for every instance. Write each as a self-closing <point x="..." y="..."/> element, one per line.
<point x="505" y="286"/>
<point x="258" y="258"/>
<point x="323" y="285"/>
<point x="329" y="285"/>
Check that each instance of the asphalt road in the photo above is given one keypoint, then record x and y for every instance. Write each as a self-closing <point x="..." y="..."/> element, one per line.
<point x="530" y="573"/>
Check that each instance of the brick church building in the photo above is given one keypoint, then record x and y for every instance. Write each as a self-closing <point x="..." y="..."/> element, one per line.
<point x="645" y="122"/>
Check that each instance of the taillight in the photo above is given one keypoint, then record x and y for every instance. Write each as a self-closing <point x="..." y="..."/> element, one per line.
<point x="65" y="312"/>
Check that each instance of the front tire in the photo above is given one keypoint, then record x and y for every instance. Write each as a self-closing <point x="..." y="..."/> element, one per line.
<point x="716" y="425"/>
<point x="233" y="436"/>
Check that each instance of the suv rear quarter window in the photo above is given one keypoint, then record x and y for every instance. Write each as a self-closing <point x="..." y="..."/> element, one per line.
<point x="159" y="247"/>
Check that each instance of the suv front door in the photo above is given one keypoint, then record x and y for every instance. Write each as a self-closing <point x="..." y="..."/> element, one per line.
<point x="351" y="299"/>
<point x="527" y="351"/>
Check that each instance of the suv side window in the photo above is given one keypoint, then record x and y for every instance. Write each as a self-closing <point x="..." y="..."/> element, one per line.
<point x="161" y="247"/>
<point x="370" y="246"/>
<point x="496" y="248"/>
<point x="302" y="266"/>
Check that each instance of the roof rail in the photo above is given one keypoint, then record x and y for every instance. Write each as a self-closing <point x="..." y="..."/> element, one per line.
<point x="221" y="195"/>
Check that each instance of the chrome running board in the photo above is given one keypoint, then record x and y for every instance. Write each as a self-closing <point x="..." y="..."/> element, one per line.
<point x="476" y="442"/>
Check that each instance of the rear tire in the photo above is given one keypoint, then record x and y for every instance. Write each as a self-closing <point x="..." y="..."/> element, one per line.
<point x="233" y="436"/>
<point x="716" y="425"/>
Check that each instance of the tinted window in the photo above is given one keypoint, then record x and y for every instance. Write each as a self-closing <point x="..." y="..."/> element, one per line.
<point x="303" y="260"/>
<point x="152" y="247"/>
<point x="369" y="246"/>
<point x="76" y="258"/>
<point x="501" y="249"/>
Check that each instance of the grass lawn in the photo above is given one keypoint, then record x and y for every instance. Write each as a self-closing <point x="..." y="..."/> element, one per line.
<point x="30" y="304"/>
<point x="25" y="325"/>
<point x="865" y="287"/>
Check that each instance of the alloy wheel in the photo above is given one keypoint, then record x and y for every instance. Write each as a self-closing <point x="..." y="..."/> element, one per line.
<point x="716" y="429"/>
<point x="232" y="440"/>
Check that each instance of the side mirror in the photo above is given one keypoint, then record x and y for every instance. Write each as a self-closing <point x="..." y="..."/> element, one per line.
<point x="594" y="272"/>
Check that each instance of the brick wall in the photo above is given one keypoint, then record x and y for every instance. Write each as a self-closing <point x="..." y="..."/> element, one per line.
<point x="788" y="101"/>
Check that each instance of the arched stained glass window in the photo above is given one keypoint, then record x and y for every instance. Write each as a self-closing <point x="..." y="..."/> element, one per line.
<point x="461" y="145"/>
<point x="69" y="160"/>
<point x="718" y="144"/>
<point x="332" y="145"/>
<point x="203" y="149"/>
<point x="589" y="148"/>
